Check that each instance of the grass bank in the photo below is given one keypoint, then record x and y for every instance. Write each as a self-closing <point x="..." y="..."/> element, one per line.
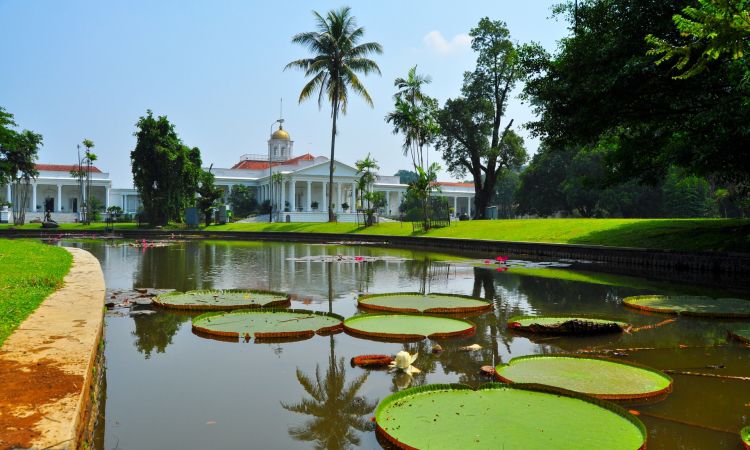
<point x="674" y="234"/>
<point x="29" y="272"/>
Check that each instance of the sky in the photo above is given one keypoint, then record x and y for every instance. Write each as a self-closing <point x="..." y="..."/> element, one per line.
<point x="89" y="69"/>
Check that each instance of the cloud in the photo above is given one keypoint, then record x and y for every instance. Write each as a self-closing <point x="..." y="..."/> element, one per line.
<point x="435" y="41"/>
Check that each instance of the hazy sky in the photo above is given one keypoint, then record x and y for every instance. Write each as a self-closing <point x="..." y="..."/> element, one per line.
<point x="73" y="70"/>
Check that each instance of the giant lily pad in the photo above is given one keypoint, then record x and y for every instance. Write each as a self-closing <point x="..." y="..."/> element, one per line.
<point x="598" y="377"/>
<point x="444" y="416"/>
<point x="745" y="435"/>
<point x="691" y="305"/>
<point x="407" y="326"/>
<point x="221" y="300"/>
<point x="413" y="302"/>
<point x="742" y="335"/>
<point x="565" y="325"/>
<point x="267" y="323"/>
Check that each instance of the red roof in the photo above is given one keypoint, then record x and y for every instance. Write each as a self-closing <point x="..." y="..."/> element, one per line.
<point x="260" y="165"/>
<point x="63" y="167"/>
<point x="454" y="184"/>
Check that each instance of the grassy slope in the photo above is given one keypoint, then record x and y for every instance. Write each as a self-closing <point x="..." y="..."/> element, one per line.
<point x="30" y="272"/>
<point x="677" y="234"/>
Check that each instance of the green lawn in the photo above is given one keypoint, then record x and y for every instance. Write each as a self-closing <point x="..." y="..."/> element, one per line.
<point x="676" y="234"/>
<point x="30" y="272"/>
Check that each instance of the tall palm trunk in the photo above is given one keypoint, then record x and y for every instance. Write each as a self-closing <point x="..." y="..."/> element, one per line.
<point x="335" y="112"/>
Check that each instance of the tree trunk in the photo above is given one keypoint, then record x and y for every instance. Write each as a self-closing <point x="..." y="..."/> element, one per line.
<point x="335" y="112"/>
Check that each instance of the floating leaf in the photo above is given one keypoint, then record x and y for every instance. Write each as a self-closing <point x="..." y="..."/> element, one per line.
<point x="222" y="300"/>
<point x="504" y="416"/>
<point x="267" y="323"/>
<point x="414" y="302"/>
<point x="565" y="325"/>
<point x="407" y="326"/>
<point x="690" y="305"/>
<point x="598" y="377"/>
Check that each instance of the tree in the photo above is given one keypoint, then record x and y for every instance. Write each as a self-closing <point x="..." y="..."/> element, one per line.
<point x="539" y="192"/>
<point x="414" y="116"/>
<point x="422" y="188"/>
<point x="18" y="154"/>
<point x="602" y="82"/>
<point x="243" y="200"/>
<point x="208" y="195"/>
<point x="83" y="173"/>
<point x="337" y="59"/>
<point x="406" y="176"/>
<point x="165" y="171"/>
<point x="506" y="186"/>
<point x="367" y="168"/>
<point x="470" y="137"/>
<point x="714" y="29"/>
<point x="687" y="196"/>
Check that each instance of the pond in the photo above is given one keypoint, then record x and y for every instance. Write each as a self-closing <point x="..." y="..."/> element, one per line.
<point x="169" y="388"/>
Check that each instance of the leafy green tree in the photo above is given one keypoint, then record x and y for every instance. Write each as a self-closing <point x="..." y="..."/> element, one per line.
<point x="687" y="196"/>
<point x="713" y="29"/>
<point x="601" y="82"/>
<point x="406" y="176"/>
<point x="337" y="59"/>
<point x="540" y="189"/>
<point x="166" y="172"/>
<point x="422" y="189"/>
<point x="18" y="154"/>
<point x="243" y="200"/>
<point x="208" y="193"/>
<point x="471" y="139"/>
<point x="506" y="186"/>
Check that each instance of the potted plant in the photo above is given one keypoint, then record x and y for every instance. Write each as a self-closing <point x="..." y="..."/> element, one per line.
<point x="345" y="206"/>
<point x="314" y="205"/>
<point x="286" y="206"/>
<point x="5" y="205"/>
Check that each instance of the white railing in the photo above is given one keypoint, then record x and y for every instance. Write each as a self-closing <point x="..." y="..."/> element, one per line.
<point x="260" y="157"/>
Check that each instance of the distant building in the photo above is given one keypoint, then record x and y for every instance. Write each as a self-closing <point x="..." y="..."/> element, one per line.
<point x="305" y="182"/>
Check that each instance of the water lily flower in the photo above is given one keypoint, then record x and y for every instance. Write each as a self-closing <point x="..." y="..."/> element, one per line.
<point x="403" y="362"/>
<point x="486" y="261"/>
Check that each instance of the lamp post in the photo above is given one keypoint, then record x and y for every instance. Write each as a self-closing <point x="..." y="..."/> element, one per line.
<point x="270" y="174"/>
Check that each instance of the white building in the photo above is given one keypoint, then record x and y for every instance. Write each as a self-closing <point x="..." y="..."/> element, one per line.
<point x="303" y="191"/>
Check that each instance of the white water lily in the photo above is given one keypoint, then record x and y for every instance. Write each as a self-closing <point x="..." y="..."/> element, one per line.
<point x="403" y="362"/>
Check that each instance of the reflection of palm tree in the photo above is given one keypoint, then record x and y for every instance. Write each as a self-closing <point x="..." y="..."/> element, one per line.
<point x="336" y="411"/>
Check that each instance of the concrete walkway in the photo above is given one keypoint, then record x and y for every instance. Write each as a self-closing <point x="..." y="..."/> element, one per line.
<point x="47" y="364"/>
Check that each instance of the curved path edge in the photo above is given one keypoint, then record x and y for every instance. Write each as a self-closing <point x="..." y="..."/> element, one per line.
<point x="50" y="362"/>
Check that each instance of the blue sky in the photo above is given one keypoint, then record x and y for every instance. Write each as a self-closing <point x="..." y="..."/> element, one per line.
<point x="88" y="69"/>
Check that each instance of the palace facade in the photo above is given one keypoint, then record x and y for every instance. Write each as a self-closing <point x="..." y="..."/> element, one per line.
<point x="299" y="193"/>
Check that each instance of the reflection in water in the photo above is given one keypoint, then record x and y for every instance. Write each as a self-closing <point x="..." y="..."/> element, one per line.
<point x="337" y="411"/>
<point x="154" y="332"/>
<point x="161" y="349"/>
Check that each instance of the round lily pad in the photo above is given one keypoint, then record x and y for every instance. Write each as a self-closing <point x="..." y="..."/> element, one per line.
<point x="414" y="302"/>
<point x="691" y="305"/>
<point x="407" y="326"/>
<point x="598" y="377"/>
<point x="267" y="323"/>
<point x="442" y="416"/>
<point x="221" y="300"/>
<point x="745" y="435"/>
<point x="742" y="335"/>
<point x="565" y="325"/>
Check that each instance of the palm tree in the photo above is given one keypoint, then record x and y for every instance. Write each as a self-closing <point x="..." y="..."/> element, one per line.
<point x="410" y="88"/>
<point x="336" y="409"/>
<point x="336" y="61"/>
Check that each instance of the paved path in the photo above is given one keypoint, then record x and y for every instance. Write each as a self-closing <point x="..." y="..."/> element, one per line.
<point x="46" y="365"/>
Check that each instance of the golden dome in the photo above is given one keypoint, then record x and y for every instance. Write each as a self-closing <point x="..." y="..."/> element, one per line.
<point x="280" y="134"/>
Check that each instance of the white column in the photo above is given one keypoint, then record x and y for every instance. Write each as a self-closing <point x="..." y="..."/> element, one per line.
<point x="106" y="197"/>
<point x="455" y="206"/>
<point x="10" y="197"/>
<point x="338" y="197"/>
<point x="59" y="197"/>
<point x="308" y="198"/>
<point x="324" y="206"/>
<point x="353" y="204"/>
<point x="293" y="192"/>
<point x="468" y="206"/>
<point x="387" y="202"/>
<point x="283" y="196"/>
<point x="33" y="197"/>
